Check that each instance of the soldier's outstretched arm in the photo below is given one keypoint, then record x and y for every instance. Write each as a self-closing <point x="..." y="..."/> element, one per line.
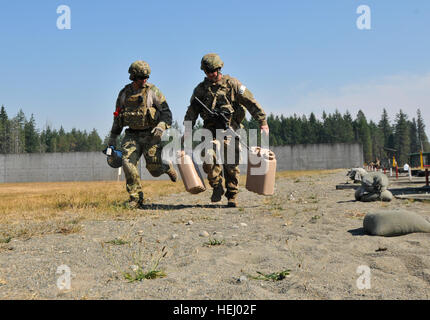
<point x="116" y="126"/>
<point x="246" y="98"/>
<point x="193" y="110"/>
<point x="160" y="102"/>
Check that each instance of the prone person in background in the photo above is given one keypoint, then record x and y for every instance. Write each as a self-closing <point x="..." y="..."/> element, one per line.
<point x="374" y="187"/>
<point x="143" y="109"/>
<point x="356" y="174"/>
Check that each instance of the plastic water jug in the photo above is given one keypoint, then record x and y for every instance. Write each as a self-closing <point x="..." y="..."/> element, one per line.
<point x="261" y="171"/>
<point x="191" y="178"/>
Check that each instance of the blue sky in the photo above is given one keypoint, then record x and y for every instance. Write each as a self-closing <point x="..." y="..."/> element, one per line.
<point x="295" y="56"/>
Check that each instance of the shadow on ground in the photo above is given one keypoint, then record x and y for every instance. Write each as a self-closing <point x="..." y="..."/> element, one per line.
<point x="157" y="206"/>
<point x="357" y="232"/>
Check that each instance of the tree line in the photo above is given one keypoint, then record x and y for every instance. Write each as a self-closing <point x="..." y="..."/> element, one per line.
<point x="381" y="140"/>
<point x="20" y="135"/>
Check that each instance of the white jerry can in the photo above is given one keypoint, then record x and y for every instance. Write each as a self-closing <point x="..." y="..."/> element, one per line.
<point x="261" y="171"/>
<point x="193" y="182"/>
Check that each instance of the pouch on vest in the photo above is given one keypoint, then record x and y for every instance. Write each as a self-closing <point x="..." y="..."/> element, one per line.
<point x="152" y="116"/>
<point x="134" y="111"/>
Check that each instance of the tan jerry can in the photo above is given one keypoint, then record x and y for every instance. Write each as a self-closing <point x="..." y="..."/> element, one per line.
<point x="191" y="178"/>
<point x="261" y="171"/>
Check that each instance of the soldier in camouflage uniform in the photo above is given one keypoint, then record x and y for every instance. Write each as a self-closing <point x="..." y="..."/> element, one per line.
<point x="226" y="94"/>
<point x="143" y="108"/>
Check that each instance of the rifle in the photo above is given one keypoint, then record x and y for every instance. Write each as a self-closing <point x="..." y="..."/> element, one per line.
<point x="222" y="116"/>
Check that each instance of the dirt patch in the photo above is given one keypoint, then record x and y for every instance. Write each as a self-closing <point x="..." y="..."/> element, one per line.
<point x="305" y="242"/>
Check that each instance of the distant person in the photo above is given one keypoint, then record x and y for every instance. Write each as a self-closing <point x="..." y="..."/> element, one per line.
<point x="226" y="94"/>
<point x="378" y="163"/>
<point x="143" y="109"/>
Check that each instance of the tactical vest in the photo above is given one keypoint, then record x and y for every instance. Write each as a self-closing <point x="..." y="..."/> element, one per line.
<point x="135" y="113"/>
<point x="223" y="98"/>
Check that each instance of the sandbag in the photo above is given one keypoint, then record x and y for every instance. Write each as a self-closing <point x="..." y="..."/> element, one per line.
<point x="390" y="223"/>
<point x="375" y="182"/>
<point x="386" y="196"/>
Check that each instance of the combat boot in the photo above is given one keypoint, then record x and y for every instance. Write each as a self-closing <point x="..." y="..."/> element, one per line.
<point x="132" y="204"/>
<point x="172" y="173"/>
<point x="135" y="203"/>
<point x="217" y="193"/>
<point x="232" y="202"/>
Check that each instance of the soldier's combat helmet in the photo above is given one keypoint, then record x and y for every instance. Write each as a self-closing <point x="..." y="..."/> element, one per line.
<point x="211" y="62"/>
<point x="114" y="159"/>
<point x="139" y="69"/>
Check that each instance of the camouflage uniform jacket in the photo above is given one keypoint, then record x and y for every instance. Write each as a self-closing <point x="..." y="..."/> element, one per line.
<point x="141" y="109"/>
<point x="228" y="91"/>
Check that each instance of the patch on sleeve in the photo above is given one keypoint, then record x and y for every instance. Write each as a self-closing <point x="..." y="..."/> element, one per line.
<point x="158" y="94"/>
<point x="242" y="89"/>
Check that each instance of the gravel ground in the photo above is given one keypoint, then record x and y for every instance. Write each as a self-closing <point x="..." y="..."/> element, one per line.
<point x="307" y="227"/>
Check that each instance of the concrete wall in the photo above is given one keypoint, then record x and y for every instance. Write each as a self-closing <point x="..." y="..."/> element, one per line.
<point x="40" y="167"/>
<point x="92" y="166"/>
<point x="319" y="156"/>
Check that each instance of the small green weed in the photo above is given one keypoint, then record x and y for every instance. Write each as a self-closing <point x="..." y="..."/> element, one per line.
<point x="214" y="242"/>
<point x="140" y="274"/>
<point x="5" y="240"/>
<point x="276" y="276"/>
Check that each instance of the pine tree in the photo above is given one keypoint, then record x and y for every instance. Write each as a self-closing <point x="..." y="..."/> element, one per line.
<point x="304" y="123"/>
<point x="415" y="142"/>
<point x="385" y="127"/>
<point x="31" y="136"/>
<point x="63" y="144"/>
<point x="274" y="124"/>
<point x="363" y="135"/>
<point x="17" y="133"/>
<point x="94" y="141"/>
<point x="422" y="137"/>
<point x="45" y="139"/>
<point x="4" y="131"/>
<point x="348" y="129"/>
<point x="402" y="138"/>
<point x="315" y="127"/>
<point x="387" y="133"/>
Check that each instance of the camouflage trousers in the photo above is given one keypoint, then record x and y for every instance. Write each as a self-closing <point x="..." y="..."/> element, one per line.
<point x="214" y="169"/>
<point x="363" y="195"/>
<point x="135" y="144"/>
